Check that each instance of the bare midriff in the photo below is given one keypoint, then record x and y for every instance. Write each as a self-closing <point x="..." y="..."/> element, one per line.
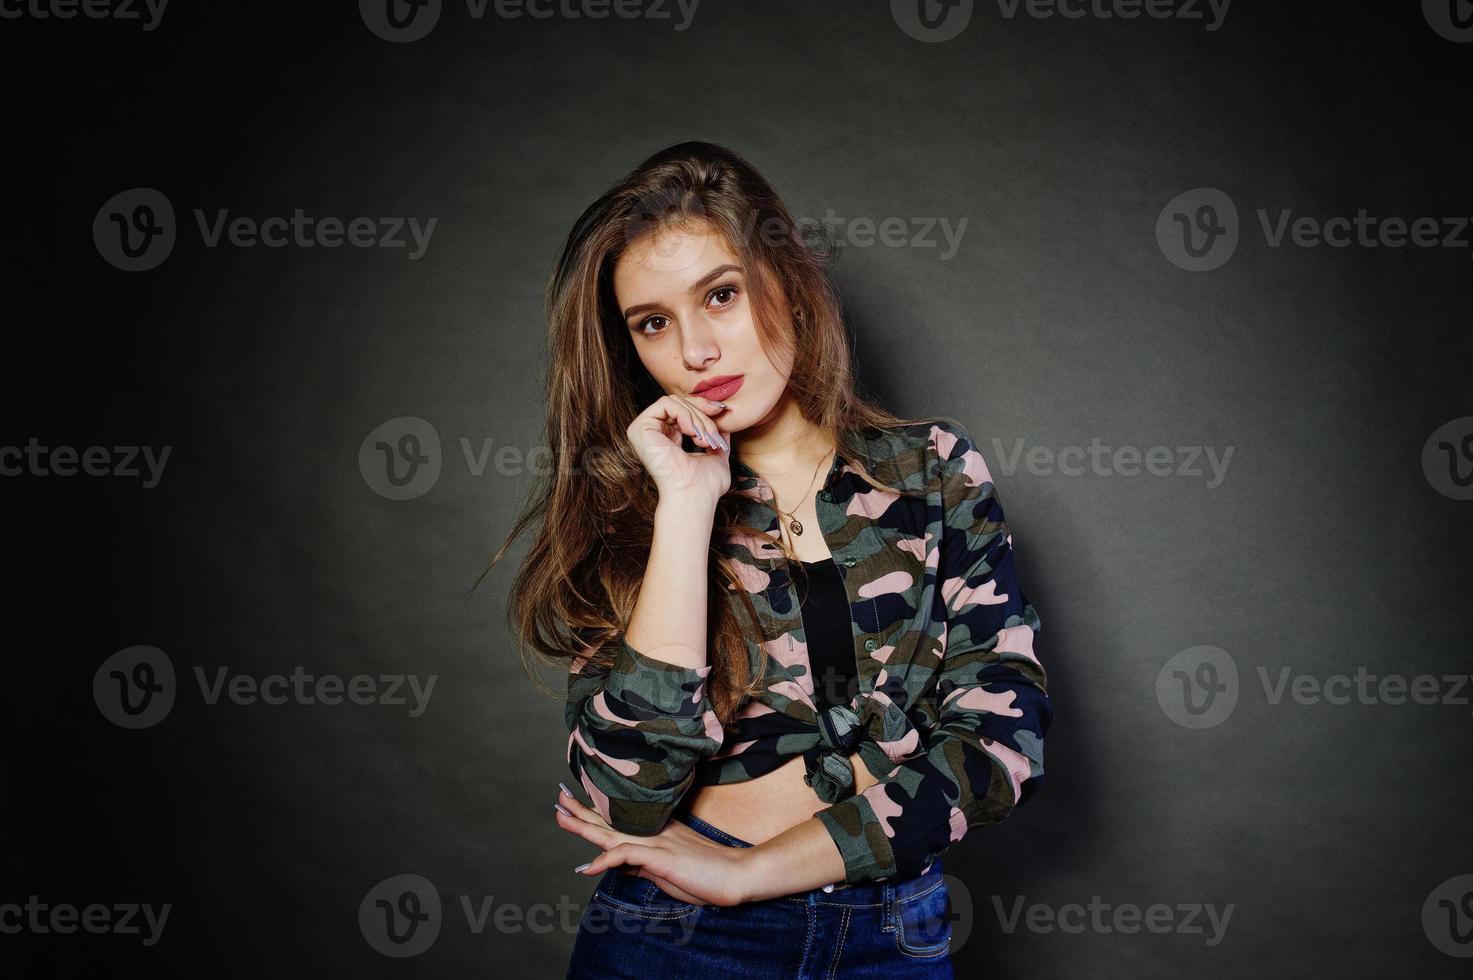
<point x="759" y="809"/>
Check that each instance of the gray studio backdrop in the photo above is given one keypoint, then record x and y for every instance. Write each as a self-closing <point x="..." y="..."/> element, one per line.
<point x="1197" y="280"/>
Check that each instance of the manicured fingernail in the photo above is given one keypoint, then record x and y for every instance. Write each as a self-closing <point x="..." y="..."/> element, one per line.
<point x="562" y="809"/>
<point x="564" y="789"/>
<point x="579" y="869"/>
<point x="715" y="402"/>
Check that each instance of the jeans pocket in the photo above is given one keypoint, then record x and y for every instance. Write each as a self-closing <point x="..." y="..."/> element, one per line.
<point x="634" y="895"/>
<point x="923" y="922"/>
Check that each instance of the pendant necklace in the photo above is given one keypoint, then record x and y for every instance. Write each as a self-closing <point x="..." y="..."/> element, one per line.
<point x="795" y="525"/>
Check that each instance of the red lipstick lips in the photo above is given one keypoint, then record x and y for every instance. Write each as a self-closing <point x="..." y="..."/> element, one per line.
<point x="719" y="388"/>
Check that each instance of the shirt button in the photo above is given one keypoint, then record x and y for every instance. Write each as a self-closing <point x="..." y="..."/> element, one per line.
<point x="825" y="495"/>
<point x="871" y="643"/>
<point x="850" y="561"/>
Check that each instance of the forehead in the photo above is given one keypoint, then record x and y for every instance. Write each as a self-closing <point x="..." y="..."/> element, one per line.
<point x="664" y="263"/>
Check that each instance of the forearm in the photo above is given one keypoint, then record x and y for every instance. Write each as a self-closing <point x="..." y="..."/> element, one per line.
<point x="669" y="618"/>
<point x="800" y="859"/>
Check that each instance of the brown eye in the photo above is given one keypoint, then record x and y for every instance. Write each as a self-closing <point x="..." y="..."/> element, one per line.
<point x="728" y="291"/>
<point x="646" y="322"/>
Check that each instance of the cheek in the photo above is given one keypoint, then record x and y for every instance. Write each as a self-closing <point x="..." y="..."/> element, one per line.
<point x="779" y="364"/>
<point x="661" y="366"/>
<point x="770" y="366"/>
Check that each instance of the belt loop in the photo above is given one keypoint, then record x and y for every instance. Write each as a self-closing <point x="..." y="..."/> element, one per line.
<point x="887" y="915"/>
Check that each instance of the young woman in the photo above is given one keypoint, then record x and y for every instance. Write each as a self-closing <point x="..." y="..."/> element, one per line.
<point x="800" y="664"/>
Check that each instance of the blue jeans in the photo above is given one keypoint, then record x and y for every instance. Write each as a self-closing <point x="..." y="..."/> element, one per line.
<point x="631" y="928"/>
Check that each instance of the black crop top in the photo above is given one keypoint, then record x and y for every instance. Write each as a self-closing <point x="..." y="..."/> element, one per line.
<point x="830" y="632"/>
<point x="828" y="626"/>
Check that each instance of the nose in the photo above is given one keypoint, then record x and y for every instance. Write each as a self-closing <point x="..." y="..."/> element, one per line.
<point x="698" y="344"/>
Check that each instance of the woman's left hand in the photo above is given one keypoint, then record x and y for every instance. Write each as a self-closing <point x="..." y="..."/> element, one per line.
<point x="686" y="865"/>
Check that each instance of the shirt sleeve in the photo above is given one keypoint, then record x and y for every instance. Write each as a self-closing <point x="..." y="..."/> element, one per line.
<point x="984" y="756"/>
<point x="637" y="727"/>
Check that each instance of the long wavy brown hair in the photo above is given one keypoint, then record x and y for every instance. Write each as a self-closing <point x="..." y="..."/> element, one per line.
<point x="594" y="512"/>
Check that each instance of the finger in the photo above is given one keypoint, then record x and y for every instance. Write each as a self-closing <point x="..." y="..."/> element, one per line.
<point x="634" y="855"/>
<point x="671" y="889"/>
<point x="579" y="810"/>
<point x="698" y="422"/>
<point x="682" y="417"/>
<point x="594" y="834"/>
<point x="713" y="436"/>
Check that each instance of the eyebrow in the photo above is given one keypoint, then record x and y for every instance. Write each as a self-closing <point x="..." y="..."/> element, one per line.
<point x="695" y="287"/>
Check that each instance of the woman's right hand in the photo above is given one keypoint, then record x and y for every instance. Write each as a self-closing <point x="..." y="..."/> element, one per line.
<point x="655" y="435"/>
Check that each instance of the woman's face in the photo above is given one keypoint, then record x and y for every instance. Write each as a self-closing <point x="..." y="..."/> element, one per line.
<point x="687" y="307"/>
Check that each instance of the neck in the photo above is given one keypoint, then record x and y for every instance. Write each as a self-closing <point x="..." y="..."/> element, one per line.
<point x="783" y="445"/>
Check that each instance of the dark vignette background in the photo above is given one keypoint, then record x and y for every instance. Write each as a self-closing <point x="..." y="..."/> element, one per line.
<point x="1059" y="320"/>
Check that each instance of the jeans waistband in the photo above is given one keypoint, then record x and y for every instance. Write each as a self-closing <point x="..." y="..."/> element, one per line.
<point x="838" y="893"/>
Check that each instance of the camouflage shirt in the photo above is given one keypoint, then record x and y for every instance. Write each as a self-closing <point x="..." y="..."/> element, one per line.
<point x="951" y="708"/>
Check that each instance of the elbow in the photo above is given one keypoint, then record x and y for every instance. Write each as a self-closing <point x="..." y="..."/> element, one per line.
<point x="634" y="795"/>
<point x="1011" y="777"/>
